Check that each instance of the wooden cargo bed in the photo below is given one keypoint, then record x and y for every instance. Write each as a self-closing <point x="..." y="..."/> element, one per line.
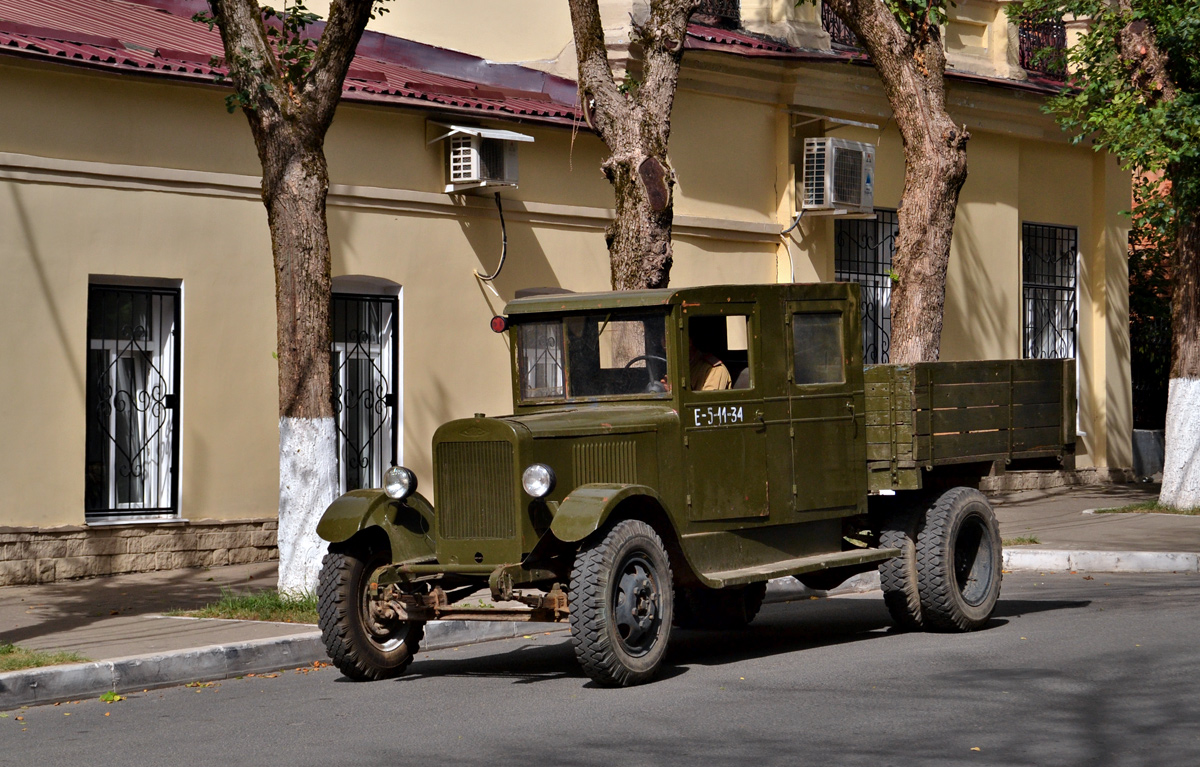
<point x="940" y="413"/>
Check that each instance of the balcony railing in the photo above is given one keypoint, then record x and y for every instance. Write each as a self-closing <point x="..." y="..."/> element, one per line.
<point x="1044" y="48"/>
<point x="840" y="35"/>
<point x="719" y="13"/>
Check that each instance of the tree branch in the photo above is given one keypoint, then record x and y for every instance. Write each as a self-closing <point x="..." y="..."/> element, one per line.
<point x="252" y="65"/>
<point x="1147" y="62"/>
<point x="347" y="20"/>
<point x="666" y="33"/>
<point x="613" y="109"/>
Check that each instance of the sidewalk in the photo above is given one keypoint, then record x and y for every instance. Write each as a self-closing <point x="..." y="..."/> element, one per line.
<point x="119" y="625"/>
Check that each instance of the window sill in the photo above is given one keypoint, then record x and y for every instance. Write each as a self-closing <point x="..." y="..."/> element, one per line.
<point x="128" y="521"/>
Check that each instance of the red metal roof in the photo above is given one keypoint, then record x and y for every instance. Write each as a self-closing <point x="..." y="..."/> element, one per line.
<point x="742" y="43"/>
<point x="159" y="37"/>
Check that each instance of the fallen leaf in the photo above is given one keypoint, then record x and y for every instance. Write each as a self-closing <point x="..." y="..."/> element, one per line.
<point x="114" y="612"/>
<point x="108" y="713"/>
<point x="3" y="716"/>
<point x="20" y="719"/>
<point x="1088" y="578"/>
<point x="976" y="748"/>
<point x="1022" y="637"/>
<point x="527" y="637"/>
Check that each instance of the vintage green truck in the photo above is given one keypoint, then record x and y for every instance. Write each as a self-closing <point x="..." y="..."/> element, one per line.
<point x="628" y="492"/>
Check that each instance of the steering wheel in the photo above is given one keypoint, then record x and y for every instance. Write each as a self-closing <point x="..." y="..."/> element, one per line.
<point x="654" y="385"/>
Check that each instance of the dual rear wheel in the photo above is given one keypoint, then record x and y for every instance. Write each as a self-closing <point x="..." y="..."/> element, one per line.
<point x="948" y="574"/>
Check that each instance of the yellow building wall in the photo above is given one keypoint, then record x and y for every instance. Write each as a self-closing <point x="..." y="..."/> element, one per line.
<point x="199" y="221"/>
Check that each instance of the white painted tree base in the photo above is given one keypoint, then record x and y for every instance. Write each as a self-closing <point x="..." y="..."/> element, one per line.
<point x="307" y="485"/>
<point x="1181" y="468"/>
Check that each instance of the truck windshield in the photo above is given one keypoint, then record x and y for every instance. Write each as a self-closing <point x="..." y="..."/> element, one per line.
<point x="595" y="355"/>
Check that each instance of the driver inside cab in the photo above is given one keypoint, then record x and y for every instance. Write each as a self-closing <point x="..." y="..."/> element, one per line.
<point x="707" y="372"/>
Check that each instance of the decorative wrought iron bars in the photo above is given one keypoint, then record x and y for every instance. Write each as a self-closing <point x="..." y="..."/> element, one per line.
<point x="840" y="35"/>
<point x="1043" y="48"/>
<point x="132" y="448"/>
<point x="1049" y="256"/>
<point x="365" y="361"/>
<point x="863" y="250"/>
<point x="719" y="13"/>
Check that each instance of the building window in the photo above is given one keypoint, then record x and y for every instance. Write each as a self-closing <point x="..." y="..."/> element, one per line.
<point x="132" y="404"/>
<point x="863" y="250"/>
<point x="365" y="362"/>
<point x="1049" y="259"/>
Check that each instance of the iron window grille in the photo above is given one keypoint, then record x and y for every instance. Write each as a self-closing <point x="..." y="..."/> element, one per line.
<point x="1049" y="274"/>
<point x="719" y="13"/>
<point x="365" y="362"/>
<point x="1043" y="48"/>
<point x="840" y="35"/>
<point x="132" y="432"/>
<point x="863" y="251"/>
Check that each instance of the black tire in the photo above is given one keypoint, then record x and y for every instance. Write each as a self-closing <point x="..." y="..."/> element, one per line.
<point x="898" y="577"/>
<point x="622" y="604"/>
<point x="718" y="609"/>
<point x="959" y="562"/>
<point x="360" y="646"/>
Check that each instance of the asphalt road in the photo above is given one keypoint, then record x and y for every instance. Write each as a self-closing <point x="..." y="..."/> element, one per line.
<point x="1071" y="672"/>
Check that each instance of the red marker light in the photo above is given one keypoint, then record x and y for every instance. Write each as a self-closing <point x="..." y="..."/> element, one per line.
<point x="499" y="324"/>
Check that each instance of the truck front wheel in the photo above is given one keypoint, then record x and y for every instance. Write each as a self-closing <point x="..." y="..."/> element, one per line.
<point x="622" y="605"/>
<point x="959" y="562"/>
<point x="361" y="645"/>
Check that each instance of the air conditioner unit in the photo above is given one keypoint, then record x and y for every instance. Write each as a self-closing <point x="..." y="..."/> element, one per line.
<point x="839" y="176"/>
<point x="478" y="158"/>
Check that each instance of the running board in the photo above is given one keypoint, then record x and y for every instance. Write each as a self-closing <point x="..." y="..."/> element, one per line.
<point x="798" y="566"/>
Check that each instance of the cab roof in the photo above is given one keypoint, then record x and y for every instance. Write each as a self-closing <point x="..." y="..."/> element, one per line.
<point x="555" y="303"/>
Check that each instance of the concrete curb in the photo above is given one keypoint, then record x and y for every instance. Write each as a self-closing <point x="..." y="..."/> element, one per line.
<point x="50" y="684"/>
<point x="1102" y="561"/>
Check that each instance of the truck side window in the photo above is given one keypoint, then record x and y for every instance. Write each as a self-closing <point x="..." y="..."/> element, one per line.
<point x="719" y="352"/>
<point x="817" y="346"/>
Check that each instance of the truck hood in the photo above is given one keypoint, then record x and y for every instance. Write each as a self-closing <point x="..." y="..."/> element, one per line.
<point x="593" y="420"/>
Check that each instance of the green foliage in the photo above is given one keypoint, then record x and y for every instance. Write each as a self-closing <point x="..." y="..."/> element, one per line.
<point x="1106" y="105"/>
<point x="1156" y="138"/>
<point x="294" y="48"/>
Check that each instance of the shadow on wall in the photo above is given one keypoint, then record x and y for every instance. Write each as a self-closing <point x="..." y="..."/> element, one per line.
<point x="974" y="324"/>
<point x="37" y="261"/>
<point x="525" y="265"/>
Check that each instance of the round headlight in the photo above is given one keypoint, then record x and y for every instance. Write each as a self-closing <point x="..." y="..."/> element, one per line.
<point x="399" y="482"/>
<point x="538" y="480"/>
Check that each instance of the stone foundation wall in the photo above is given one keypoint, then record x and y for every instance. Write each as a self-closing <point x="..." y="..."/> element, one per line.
<point x="31" y="555"/>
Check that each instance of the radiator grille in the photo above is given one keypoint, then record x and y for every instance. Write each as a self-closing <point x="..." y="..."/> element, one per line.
<point x="605" y="462"/>
<point x="474" y="485"/>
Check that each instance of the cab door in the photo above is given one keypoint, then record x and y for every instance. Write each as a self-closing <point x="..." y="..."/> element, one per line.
<point x="825" y="393"/>
<point x="724" y="435"/>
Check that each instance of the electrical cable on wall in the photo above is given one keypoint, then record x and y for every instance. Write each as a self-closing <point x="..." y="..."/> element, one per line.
<point x="784" y="234"/>
<point x="503" y="246"/>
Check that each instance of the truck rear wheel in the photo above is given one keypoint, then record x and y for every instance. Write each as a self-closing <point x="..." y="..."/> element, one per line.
<point x="959" y="562"/>
<point x="898" y="576"/>
<point x="622" y="605"/>
<point x="728" y="608"/>
<point x="362" y="646"/>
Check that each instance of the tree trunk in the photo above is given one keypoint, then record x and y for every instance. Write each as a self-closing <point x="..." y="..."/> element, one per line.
<point x="639" y="238"/>
<point x="635" y="123"/>
<point x="1181" y="469"/>
<point x="295" y="186"/>
<point x="912" y="68"/>
<point x="289" y="111"/>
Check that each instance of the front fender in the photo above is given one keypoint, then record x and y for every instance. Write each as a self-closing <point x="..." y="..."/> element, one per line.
<point x="588" y="507"/>
<point x="409" y="524"/>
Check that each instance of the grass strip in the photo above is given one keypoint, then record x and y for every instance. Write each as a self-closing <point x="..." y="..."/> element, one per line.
<point x="1027" y="540"/>
<point x="14" y="658"/>
<point x="267" y="605"/>
<point x="1149" y="507"/>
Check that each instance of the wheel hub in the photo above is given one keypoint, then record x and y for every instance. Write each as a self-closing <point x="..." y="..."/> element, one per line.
<point x="636" y="607"/>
